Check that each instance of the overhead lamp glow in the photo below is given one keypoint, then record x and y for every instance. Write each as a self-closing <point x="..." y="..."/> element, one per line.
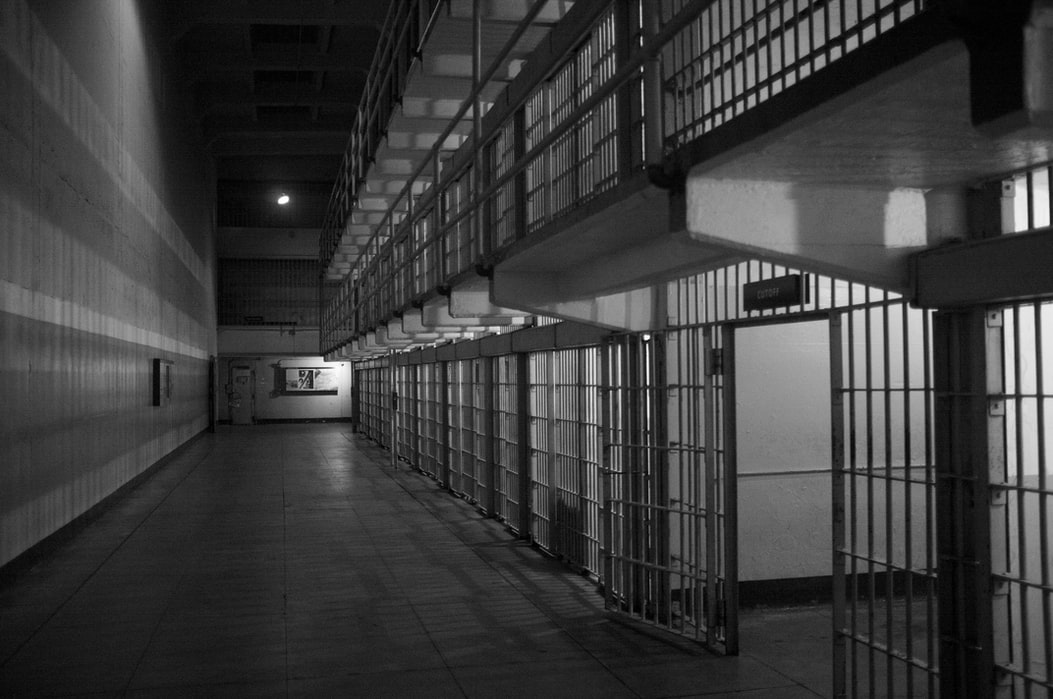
<point x="283" y="199"/>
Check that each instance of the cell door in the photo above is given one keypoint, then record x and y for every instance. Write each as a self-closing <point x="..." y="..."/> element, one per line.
<point x="668" y="513"/>
<point x="885" y="636"/>
<point x="241" y="398"/>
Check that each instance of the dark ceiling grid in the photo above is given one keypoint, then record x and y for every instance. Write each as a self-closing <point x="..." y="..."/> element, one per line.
<point x="277" y="83"/>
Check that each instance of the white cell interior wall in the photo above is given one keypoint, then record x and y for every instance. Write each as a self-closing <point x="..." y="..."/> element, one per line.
<point x="783" y="408"/>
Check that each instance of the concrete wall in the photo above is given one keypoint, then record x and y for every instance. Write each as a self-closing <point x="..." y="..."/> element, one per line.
<point x="106" y="260"/>
<point x="783" y="405"/>
<point x="783" y="399"/>
<point x="272" y="403"/>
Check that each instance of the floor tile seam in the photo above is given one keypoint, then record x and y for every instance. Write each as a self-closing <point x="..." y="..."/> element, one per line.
<point x="510" y="582"/>
<point x="413" y="608"/>
<point x="285" y="564"/>
<point x="113" y="552"/>
<point x="760" y="661"/>
<point x="398" y="581"/>
<point x="185" y="572"/>
<point x="391" y="474"/>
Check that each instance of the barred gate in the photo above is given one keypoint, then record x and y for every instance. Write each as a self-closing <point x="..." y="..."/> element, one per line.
<point x="884" y="526"/>
<point x="1022" y="504"/>
<point x="667" y="533"/>
<point x="575" y="457"/>
<point x="507" y="442"/>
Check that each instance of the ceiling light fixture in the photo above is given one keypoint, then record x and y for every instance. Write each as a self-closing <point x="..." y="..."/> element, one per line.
<point x="283" y="199"/>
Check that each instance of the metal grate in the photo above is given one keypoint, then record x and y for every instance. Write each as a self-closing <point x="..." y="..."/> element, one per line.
<point x="739" y="53"/>
<point x="636" y="489"/>
<point x="501" y="215"/>
<point x="1022" y="506"/>
<point x="575" y="458"/>
<point x="507" y="481"/>
<point x="410" y="419"/>
<point x="583" y="161"/>
<point x="541" y="438"/>
<point x="457" y="239"/>
<point x="885" y="563"/>
<point x="698" y="526"/>
<point x="270" y="292"/>
<point x="372" y="381"/>
<point x="432" y="399"/>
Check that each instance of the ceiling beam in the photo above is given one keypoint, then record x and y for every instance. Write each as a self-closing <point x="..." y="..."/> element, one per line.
<point x="200" y="62"/>
<point x="318" y="136"/>
<point x="215" y="95"/>
<point x="294" y="144"/>
<point x="188" y="13"/>
<point x="279" y="168"/>
<point x="276" y="126"/>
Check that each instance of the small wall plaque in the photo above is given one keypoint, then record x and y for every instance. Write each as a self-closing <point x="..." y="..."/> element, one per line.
<point x="780" y="292"/>
<point x="162" y="382"/>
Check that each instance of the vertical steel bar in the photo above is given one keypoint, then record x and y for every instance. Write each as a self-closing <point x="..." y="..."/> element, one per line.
<point x="1017" y="481"/>
<point x="908" y="495"/>
<point x="731" y="527"/>
<point x="522" y="379"/>
<point x="393" y="391"/>
<point x="711" y="484"/>
<point x="1044" y="495"/>
<point x="871" y="553"/>
<point x="837" y="481"/>
<point x="931" y="585"/>
<point x="652" y="80"/>
<point x="890" y="570"/>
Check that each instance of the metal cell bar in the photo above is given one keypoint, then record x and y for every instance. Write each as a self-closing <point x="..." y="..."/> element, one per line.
<point x="730" y="493"/>
<point x="1021" y="566"/>
<point x="837" y="433"/>
<point x="710" y="483"/>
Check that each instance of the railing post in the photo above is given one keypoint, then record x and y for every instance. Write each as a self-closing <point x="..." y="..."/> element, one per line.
<point x="482" y="245"/>
<point x="394" y="387"/>
<point x="652" y="78"/>
<point x="623" y="36"/>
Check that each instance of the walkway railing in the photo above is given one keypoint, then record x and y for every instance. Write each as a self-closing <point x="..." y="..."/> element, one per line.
<point x="643" y="79"/>
<point x="405" y="30"/>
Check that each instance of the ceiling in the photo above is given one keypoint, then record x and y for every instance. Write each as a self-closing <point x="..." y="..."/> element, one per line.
<point x="276" y="84"/>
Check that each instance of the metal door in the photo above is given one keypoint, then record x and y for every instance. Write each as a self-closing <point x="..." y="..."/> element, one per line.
<point x="668" y="511"/>
<point x="884" y="492"/>
<point x="241" y="396"/>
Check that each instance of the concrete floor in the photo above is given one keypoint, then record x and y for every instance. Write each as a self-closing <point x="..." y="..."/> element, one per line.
<point x="291" y="560"/>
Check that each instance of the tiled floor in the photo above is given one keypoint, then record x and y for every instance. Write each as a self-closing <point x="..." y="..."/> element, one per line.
<point x="292" y="560"/>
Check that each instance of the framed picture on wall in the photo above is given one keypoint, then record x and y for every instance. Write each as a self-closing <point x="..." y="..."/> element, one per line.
<point x="310" y="380"/>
